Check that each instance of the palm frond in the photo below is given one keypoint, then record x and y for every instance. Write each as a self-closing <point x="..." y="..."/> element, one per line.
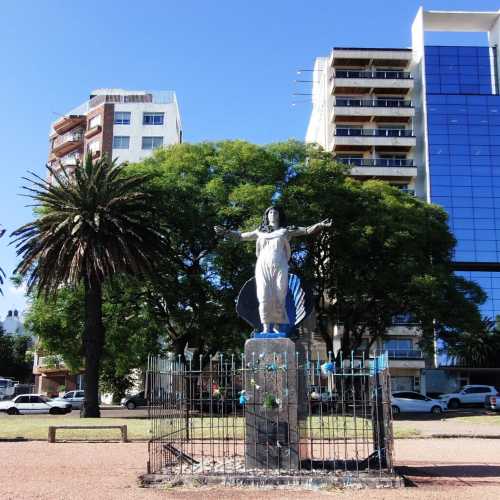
<point x="92" y="224"/>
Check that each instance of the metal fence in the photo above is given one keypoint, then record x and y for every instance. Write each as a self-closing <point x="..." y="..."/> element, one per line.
<point x="267" y="416"/>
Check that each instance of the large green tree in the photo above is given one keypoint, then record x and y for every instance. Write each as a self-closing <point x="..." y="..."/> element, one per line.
<point x="476" y="348"/>
<point x="16" y="360"/>
<point x="91" y="225"/>
<point x="388" y="254"/>
<point x="132" y="330"/>
<point x="193" y="188"/>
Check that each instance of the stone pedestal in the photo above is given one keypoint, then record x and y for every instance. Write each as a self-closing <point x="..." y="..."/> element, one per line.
<point x="272" y="427"/>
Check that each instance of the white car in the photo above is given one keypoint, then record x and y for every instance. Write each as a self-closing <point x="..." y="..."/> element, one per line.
<point x="409" y="401"/>
<point x="34" y="403"/>
<point x="469" y="395"/>
<point x="75" y="398"/>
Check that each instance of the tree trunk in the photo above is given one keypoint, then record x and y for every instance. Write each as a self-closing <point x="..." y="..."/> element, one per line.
<point x="93" y="341"/>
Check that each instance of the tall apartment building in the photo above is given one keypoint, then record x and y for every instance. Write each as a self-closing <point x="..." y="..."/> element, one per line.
<point x="426" y="119"/>
<point x="123" y="124"/>
<point x="127" y="125"/>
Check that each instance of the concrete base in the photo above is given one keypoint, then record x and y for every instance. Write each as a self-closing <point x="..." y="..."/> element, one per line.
<point x="272" y="430"/>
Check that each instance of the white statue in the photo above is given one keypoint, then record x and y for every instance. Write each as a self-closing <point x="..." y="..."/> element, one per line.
<point x="271" y="270"/>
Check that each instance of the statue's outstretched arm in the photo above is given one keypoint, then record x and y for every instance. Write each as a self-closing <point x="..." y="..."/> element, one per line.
<point x="222" y="231"/>
<point x="315" y="228"/>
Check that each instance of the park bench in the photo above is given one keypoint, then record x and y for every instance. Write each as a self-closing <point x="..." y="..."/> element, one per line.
<point x="53" y="428"/>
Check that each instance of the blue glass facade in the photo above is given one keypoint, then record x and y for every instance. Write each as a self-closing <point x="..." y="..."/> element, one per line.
<point x="463" y="116"/>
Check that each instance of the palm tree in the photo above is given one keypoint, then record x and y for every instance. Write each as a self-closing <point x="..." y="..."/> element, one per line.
<point x="91" y="224"/>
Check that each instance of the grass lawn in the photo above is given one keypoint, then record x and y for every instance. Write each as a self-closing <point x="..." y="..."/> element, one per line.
<point x="36" y="427"/>
<point x="480" y="419"/>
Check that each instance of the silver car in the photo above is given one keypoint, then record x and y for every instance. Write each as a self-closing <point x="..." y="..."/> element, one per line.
<point x="76" y="399"/>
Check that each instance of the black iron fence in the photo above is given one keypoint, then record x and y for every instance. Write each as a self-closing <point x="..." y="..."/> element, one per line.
<point x="265" y="416"/>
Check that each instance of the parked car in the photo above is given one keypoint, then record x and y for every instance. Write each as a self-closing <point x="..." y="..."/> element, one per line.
<point x="409" y="401"/>
<point x="34" y="403"/>
<point x="469" y="395"/>
<point x="132" y="402"/>
<point x="75" y="398"/>
<point x="492" y="402"/>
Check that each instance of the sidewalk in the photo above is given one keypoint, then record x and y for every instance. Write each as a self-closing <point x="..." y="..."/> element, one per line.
<point x="452" y="468"/>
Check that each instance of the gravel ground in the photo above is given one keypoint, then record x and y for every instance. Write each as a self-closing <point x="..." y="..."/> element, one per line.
<point x="440" y="469"/>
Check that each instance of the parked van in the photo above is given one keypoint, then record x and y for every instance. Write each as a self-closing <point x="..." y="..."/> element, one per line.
<point x="7" y="388"/>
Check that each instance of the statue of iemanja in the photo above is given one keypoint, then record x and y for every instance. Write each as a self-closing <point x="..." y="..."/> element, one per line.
<point x="271" y="270"/>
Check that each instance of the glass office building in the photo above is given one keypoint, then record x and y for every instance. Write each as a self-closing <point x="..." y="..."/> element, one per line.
<point x="463" y="126"/>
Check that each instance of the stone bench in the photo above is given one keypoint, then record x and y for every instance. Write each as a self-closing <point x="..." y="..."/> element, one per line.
<point x="53" y="428"/>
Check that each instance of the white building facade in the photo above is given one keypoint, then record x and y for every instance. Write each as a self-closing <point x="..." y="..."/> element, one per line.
<point x="126" y="125"/>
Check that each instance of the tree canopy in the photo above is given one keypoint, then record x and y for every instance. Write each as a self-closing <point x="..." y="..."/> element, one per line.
<point x="387" y="254"/>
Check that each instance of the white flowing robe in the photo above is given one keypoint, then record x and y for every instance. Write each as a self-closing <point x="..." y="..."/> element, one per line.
<point x="271" y="271"/>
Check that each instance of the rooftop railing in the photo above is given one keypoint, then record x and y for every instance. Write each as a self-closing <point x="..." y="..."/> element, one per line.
<point x="396" y="75"/>
<point x="374" y="132"/>
<point x="373" y="103"/>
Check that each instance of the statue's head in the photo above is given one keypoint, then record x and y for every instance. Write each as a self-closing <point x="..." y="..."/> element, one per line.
<point x="274" y="217"/>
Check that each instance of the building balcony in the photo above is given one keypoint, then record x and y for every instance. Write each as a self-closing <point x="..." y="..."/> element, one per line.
<point x="373" y="132"/>
<point x="69" y="161"/>
<point x="394" y="110"/>
<point x="373" y="103"/>
<point x="49" y="364"/>
<point x="377" y="162"/>
<point x="68" y="122"/>
<point x="360" y="82"/>
<point x="366" y="56"/>
<point x="65" y="143"/>
<point x="380" y="167"/>
<point x="401" y="353"/>
<point x="404" y="358"/>
<point x="379" y="75"/>
<point x="374" y="137"/>
<point x="93" y="131"/>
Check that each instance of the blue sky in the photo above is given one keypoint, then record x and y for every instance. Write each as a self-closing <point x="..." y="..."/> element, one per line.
<point x="232" y="63"/>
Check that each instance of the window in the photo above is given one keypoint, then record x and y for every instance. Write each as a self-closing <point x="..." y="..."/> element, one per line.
<point x="95" y="121"/>
<point x="23" y="399"/>
<point x="152" y="142"/>
<point x="415" y="395"/>
<point x="121" y="142"/>
<point x="152" y="118"/>
<point x="122" y="118"/>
